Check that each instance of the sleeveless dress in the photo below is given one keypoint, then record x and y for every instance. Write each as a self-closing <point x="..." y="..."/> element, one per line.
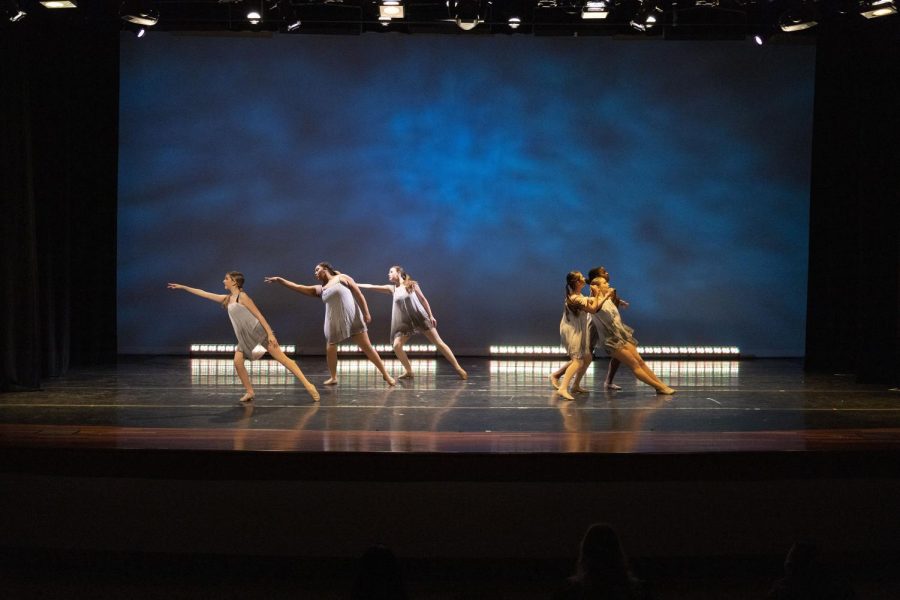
<point x="251" y="335"/>
<point x="609" y="324"/>
<point x="343" y="316"/>
<point x="573" y="332"/>
<point x="408" y="316"/>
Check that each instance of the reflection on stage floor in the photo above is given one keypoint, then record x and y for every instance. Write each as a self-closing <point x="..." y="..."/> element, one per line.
<point x="505" y="406"/>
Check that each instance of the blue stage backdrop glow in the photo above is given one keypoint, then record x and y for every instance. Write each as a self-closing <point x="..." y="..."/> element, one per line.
<point x="487" y="166"/>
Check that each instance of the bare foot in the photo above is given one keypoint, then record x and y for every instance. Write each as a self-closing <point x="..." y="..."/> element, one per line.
<point x="580" y="390"/>
<point x="554" y="380"/>
<point x="564" y="394"/>
<point x="330" y="381"/>
<point x="406" y="375"/>
<point x="312" y="391"/>
<point x="390" y="380"/>
<point x="666" y="391"/>
<point x="248" y="397"/>
<point x="612" y="386"/>
<point x="462" y="373"/>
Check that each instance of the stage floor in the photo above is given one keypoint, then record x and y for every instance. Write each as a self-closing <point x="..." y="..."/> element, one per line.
<point x="506" y="406"/>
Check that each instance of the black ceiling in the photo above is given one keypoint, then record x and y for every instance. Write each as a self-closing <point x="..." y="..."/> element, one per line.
<point x="677" y="19"/>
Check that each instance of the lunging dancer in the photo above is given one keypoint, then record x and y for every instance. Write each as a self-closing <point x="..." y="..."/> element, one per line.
<point x="411" y="314"/>
<point x="254" y="335"/>
<point x="618" y="338"/>
<point x="595" y="340"/>
<point x="346" y="315"/>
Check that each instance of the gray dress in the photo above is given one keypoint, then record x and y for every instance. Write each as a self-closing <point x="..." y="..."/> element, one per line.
<point x="249" y="331"/>
<point x="408" y="316"/>
<point x="609" y="324"/>
<point x="573" y="332"/>
<point x="343" y="316"/>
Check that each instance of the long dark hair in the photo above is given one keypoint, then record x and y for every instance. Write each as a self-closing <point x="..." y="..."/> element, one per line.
<point x="238" y="278"/>
<point x="327" y="266"/>
<point x="408" y="282"/>
<point x="571" y="278"/>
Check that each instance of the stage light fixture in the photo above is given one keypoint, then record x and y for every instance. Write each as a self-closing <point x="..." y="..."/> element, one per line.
<point x="139" y="12"/>
<point x="14" y="11"/>
<point x="467" y="13"/>
<point x="59" y="3"/>
<point x="596" y="9"/>
<point x="140" y="32"/>
<point x="390" y="9"/>
<point x="872" y="9"/>
<point x="514" y="22"/>
<point x="798" y="17"/>
<point x="647" y="16"/>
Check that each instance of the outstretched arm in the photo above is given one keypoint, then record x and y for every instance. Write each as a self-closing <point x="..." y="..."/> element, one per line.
<point x="424" y="302"/>
<point x="251" y="306"/>
<point x="220" y="298"/>
<point x="357" y="293"/>
<point x="387" y="289"/>
<point x="307" y="290"/>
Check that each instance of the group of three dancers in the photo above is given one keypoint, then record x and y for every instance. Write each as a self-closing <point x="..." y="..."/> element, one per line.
<point x="346" y="315"/>
<point x="588" y="319"/>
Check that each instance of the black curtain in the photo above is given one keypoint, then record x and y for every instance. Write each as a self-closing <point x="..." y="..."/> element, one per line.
<point x="58" y="126"/>
<point x="853" y="315"/>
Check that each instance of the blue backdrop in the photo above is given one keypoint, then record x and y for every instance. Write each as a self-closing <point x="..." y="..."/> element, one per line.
<point x="487" y="166"/>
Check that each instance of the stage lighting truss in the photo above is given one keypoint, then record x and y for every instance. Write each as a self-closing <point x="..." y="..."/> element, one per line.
<point x="229" y="349"/>
<point x="872" y="9"/>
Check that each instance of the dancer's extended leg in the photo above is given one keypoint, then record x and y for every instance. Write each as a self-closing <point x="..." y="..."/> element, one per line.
<point x="243" y="376"/>
<point x="573" y="368"/>
<point x="362" y="340"/>
<point x="292" y="366"/>
<point x="399" y="342"/>
<point x="435" y="339"/>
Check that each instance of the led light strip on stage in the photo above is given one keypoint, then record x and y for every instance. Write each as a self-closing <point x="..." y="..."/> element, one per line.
<point x="417" y="349"/>
<point x="720" y="352"/>
<point x="228" y="349"/>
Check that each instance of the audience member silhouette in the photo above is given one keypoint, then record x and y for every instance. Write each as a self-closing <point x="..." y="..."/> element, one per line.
<point x="602" y="571"/>
<point x="805" y="579"/>
<point x="379" y="576"/>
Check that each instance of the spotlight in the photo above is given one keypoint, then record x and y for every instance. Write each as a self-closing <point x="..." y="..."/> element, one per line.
<point x="254" y="17"/>
<point x="797" y="18"/>
<point x="646" y="17"/>
<point x="390" y="9"/>
<point x="59" y="3"/>
<point x="595" y="9"/>
<point x="140" y="32"/>
<point x="466" y="13"/>
<point x="759" y="40"/>
<point x="514" y="22"/>
<point x="293" y="26"/>
<point x="139" y="12"/>
<point x="871" y="9"/>
<point x="14" y="11"/>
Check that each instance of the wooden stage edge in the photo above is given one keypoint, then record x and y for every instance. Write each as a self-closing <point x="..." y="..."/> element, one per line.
<point x="248" y="454"/>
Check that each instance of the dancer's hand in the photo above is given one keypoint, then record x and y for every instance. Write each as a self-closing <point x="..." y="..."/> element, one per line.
<point x="367" y="317"/>
<point x="274" y="279"/>
<point x="175" y="286"/>
<point x="433" y="322"/>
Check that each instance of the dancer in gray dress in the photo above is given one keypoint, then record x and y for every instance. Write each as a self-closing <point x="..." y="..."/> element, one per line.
<point x="595" y="339"/>
<point x="346" y="315"/>
<point x="573" y="332"/>
<point x="411" y="314"/>
<point x="254" y="336"/>
<point x="618" y="338"/>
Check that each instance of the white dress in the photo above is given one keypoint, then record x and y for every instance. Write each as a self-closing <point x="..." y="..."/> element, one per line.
<point x="252" y="338"/>
<point x="343" y="316"/>
<point x="408" y="316"/>
<point x="573" y="329"/>
<point x="609" y="325"/>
